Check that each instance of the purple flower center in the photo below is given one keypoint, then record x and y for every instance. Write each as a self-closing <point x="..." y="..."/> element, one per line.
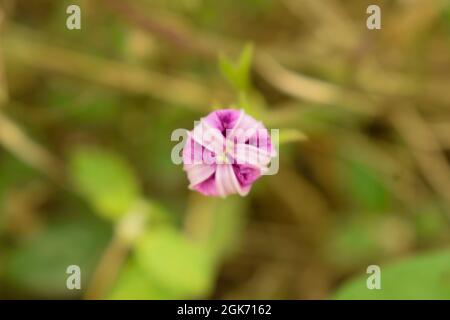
<point x="223" y="119"/>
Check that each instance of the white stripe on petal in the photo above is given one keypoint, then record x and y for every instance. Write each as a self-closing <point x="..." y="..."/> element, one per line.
<point x="226" y="181"/>
<point x="245" y="127"/>
<point x="209" y="137"/>
<point x="237" y="125"/>
<point x="235" y="183"/>
<point x="192" y="153"/>
<point x="220" y="181"/>
<point x="251" y="155"/>
<point x="199" y="173"/>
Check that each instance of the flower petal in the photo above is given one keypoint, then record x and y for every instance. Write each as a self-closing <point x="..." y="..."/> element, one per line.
<point x="192" y="152"/>
<point x="207" y="187"/>
<point x="246" y="175"/>
<point x="244" y="128"/>
<point x="223" y="119"/>
<point x="199" y="173"/>
<point x="226" y="181"/>
<point x="250" y="155"/>
<point x="209" y="137"/>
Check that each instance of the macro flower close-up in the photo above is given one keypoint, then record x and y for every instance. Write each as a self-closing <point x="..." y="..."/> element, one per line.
<point x="226" y="153"/>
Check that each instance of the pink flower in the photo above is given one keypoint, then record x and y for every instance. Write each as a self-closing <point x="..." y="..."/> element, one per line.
<point x="226" y="152"/>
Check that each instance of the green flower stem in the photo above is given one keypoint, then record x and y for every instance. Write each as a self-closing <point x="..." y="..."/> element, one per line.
<point x="127" y="230"/>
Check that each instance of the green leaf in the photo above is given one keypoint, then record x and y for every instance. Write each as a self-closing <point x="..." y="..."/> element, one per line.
<point x="178" y="265"/>
<point x="39" y="265"/>
<point x="244" y="66"/>
<point x="238" y="73"/>
<point x="105" y="180"/>
<point x="422" y="277"/>
<point x="135" y="284"/>
<point x="227" y="69"/>
<point x="291" y="135"/>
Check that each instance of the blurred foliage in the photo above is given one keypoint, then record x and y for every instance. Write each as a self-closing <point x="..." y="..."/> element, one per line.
<point x="105" y="180"/>
<point x="39" y="264"/>
<point x="182" y="267"/>
<point x="86" y="177"/>
<point x="238" y="73"/>
<point x="400" y="281"/>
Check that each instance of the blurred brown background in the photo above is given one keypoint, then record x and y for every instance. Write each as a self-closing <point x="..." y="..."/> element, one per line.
<point x="85" y="171"/>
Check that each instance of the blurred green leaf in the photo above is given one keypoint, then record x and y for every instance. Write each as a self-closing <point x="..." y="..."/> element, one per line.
<point x="430" y="222"/>
<point x="422" y="277"/>
<point x="291" y="135"/>
<point x="353" y="243"/>
<point x="363" y="182"/>
<point x="135" y="284"/>
<point x="366" y="186"/>
<point x="178" y="265"/>
<point x="105" y="180"/>
<point x="238" y="73"/>
<point x="39" y="265"/>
